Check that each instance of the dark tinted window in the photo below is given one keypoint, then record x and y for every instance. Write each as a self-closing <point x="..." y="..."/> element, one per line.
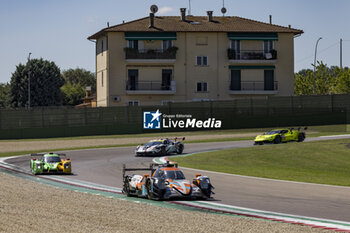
<point x="176" y="175"/>
<point x="52" y="159"/>
<point x="153" y="143"/>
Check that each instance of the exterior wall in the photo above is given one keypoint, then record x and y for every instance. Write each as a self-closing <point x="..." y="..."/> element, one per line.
<point x="102" y="72"/>
<point x="284" y="72"/>
<point x="186" y="73"/>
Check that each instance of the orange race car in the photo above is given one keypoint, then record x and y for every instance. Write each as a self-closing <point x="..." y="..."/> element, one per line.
<point x="166" y="181"/>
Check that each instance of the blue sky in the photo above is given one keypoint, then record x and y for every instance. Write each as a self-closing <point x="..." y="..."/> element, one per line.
<point x="57" y="30"/>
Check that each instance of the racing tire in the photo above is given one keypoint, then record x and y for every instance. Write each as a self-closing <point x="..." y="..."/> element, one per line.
<point x="127" y="191"/>
<point x="301" y="137"/>
<point x="277" y="140"/>
<point x="180" y="150"/>
<point x="151" y="195"/>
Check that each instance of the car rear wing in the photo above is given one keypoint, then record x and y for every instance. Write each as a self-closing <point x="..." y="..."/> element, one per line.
<point x="299" y="128"/>
<point x="179" y="138"/>
<point x="42" y="154"/>
<point x="152" y="167"/>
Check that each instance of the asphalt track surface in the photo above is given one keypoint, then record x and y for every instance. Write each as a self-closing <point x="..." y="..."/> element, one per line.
<point x="104" y="166"/>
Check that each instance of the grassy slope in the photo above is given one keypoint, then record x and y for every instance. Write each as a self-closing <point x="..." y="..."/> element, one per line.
<point x="325" y="162"/>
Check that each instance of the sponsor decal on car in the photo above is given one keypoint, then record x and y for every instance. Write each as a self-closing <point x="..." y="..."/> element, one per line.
<point x="157" y="120"/>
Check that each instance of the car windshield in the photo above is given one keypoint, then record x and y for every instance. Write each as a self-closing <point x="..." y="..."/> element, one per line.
<point x="273" y="132"/>
<point x="51" y="159"/>
<point x="175" y="175"/>
<point x="153" y="143"/>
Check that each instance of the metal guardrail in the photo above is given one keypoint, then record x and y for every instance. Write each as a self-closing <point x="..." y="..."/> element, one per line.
<point x="148" y="86"/>
<point x="254" y="86"/>
<point x="251" y="55"/>
<point x="131" y="53"/>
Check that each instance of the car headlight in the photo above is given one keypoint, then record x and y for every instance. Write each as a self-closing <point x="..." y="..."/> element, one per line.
<point x="66" y="166"/>
<point x="38" y="166"/>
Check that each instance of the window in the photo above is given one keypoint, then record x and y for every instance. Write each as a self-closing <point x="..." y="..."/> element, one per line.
<point x="166" y="79"/>
<point x="133" y="78"/>
<point x="202" y="86"/>
<point x="235" y="80"/>
<point x="268" y="46"/>
<point x="102" y="78"/>
<point x="236" y="46"/>
<point x="269" y="82"/>
<point x="133" y="103"/>
<point x="167" y="44"/>
<point x="202" y="60"/>
<point x="133" y="44"/>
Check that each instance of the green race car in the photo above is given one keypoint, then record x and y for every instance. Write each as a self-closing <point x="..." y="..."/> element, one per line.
<point x="281" y="135"/>
<point x="50" y="163"/>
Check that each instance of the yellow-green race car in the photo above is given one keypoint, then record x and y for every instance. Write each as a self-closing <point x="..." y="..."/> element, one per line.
<point x="281" y="135"/>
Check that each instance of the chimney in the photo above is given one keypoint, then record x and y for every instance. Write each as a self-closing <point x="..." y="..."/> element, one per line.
<point x="151" y="20"/>
<point x="210" y="16"/>
<point x="183" y="14"/>
<point x="289" y="26"/>
<point x="108" y="24"/>
<point x="270" y="19"/>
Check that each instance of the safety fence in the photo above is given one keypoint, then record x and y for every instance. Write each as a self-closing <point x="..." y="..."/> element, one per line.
<point x="234" y="114"/>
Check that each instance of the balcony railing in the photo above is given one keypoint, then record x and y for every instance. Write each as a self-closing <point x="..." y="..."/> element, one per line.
<point x="131" y="53"/>
<point x="150" y="86"/>
<point x="254" y="86"/>
<point x="251" y="55"/>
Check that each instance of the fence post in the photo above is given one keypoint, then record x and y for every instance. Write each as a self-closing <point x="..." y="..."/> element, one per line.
<point x="332" y="99"/>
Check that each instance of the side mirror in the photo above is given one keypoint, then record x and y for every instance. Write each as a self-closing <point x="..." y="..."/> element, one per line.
<point x="195" y="182"/>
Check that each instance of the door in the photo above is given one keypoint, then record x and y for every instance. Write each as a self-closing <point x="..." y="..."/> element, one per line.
<point x="133" y="76"/>
<point x="235" y="80"/>
<point x="166" y="79"/>
<point x="269" y="80"/>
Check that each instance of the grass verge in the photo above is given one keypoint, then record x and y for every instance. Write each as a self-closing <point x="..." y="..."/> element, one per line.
<point x="15" y="153"/>
<point x="323" y="162"/>
<point x="313" y="131"/>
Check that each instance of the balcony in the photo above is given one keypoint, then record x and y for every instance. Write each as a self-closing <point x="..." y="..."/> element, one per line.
<point x="150" y="54"/>
<point x="246" y="56"/>
<point x="150" y="87"/>
<point x="254" y="87"/>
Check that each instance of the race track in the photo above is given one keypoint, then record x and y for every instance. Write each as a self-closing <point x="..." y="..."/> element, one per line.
<point x="104" y="166"/>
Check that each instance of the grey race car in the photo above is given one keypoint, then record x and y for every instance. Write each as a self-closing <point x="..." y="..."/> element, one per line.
<point x="160" y="147"/>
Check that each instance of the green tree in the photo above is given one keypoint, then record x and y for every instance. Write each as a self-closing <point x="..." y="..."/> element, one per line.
<point x="73" y="93"/>
<point x="76" y="80"/>
<point x="325" y="80"/>
<point x="45" y="84"/>
<point x="5" y="95"/>
<point x="342" y="84"/>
